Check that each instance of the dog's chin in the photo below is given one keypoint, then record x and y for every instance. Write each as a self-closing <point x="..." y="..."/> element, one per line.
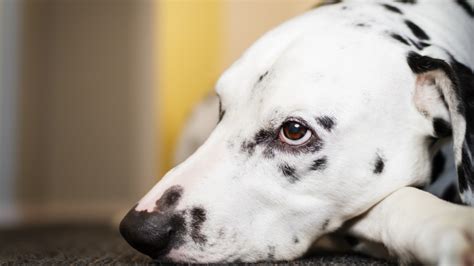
<point x="224" y="253"/>
<point x="201" y="260"/>
<point x="181" y="256"/>
<point x="202" y="257"/>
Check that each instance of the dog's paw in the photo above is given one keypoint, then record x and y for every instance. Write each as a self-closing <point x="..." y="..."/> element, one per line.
<point x="456" y="245"/>
<point x="456" y="248"/>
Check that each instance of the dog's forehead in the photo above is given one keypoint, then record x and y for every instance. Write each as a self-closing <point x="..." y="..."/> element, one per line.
<point x="319" y="73"/>
<point x="365" y="48"/>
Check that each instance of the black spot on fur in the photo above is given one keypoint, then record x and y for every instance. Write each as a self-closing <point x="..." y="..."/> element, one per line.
<point x="169" y="199"/>
<point x="379" y="165"/>
<point x="326" y="122"/>
<point x="399" y="38"/>
<point x="264" y="135"/>
<point x="441" y="128"/>
<point x="289" y="172"/>
<point x="269" y="153"/>
<point x="420" y="45"/>
<point x="248" y="147"/>
<point x="437" y="166"/>
<point x="466" y="7"/>
<point x="465" y="172"/>
<point x="462" y="179"/>
<point x="420" y="64"/>
<point x="198" y="217"/>
<point x="406" y="1"/>
<point x="179" y="228"/>
<point x="325" y="224"/>
<point x="417" y="31"/>
<point x="319" y="164"/>
<point x="392" y="8"/>
<point x="361" y="25"/>
<point x="262" y="76"/>
<point x="423" y="45"/>
<point x="296" y="240"/>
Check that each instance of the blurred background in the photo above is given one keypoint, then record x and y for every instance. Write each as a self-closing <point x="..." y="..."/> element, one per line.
<point x="94" y="93"/>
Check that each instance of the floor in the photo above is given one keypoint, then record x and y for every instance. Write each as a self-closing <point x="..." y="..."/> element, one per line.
<point x="92" y="244"/>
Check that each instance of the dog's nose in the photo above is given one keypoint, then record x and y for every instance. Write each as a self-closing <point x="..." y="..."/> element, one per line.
<point x="155" y="233"/>
<point x="149" y="232"/>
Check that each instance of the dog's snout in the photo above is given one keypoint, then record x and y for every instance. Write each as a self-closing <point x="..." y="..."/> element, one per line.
<point x="154" y="233"/>
<point x="151" y="233"/>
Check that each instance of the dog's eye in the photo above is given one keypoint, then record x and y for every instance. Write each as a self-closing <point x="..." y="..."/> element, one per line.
<point x="294" y="133"/>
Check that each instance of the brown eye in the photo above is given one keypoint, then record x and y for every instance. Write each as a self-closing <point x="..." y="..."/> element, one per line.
<point x="294" y="133"/>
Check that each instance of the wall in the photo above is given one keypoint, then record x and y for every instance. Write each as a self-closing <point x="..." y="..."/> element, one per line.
<point x="87" y="108"/>
<point x="9" y="42"/>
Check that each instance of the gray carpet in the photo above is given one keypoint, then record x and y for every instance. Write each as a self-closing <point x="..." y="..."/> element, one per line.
<point x="92" y="244"/>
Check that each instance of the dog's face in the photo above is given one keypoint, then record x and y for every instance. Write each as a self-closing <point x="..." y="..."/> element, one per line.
<point x="311" y="139"/>
<point x="320" y="119"/>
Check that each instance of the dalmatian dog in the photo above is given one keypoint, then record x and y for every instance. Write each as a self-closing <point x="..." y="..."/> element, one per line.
<point x="329" y="123"/>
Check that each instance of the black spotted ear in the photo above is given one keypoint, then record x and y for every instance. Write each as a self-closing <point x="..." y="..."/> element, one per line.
<point x="445" y="93"/>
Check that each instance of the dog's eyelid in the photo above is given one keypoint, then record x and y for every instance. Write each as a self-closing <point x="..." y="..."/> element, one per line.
<point x="296" y="119"/>
<point x="300" y="120"/>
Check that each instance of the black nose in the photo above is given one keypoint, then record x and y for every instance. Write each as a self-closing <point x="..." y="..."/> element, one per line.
<point x="151" y="233"/>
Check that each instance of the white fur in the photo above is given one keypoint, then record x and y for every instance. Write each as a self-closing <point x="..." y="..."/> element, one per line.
<point x="320" y="64"/>
<point x="431" y="231"/>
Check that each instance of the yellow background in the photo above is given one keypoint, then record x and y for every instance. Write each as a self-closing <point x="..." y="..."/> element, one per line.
<point x="188" y="49"/>
<point x="197" y="40"/>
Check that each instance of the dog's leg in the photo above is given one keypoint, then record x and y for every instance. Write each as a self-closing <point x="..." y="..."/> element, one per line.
<point x="416" y="226"/>
<point x="342" y="242"/>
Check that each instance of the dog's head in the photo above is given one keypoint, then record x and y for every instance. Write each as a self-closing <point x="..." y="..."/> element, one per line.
<point x="313" y="132"/>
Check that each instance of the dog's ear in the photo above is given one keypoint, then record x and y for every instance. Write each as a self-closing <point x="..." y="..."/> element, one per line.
<point x="444" y="93"/>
